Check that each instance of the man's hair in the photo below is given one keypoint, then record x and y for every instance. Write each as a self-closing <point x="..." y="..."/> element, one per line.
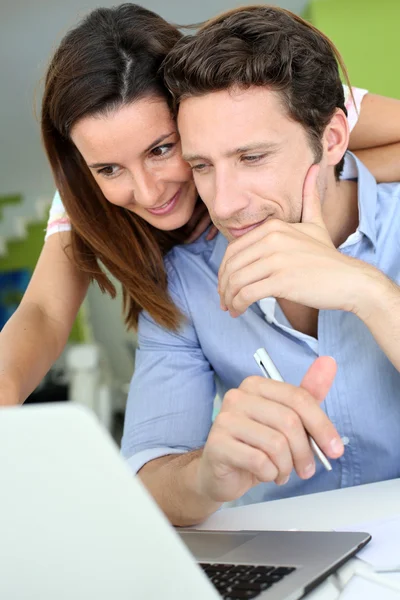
<point x="263" y="46"/>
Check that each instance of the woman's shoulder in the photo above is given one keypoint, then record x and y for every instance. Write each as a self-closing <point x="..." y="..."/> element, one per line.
<point x="353" y="98"/>
<point x="58" y="218"/>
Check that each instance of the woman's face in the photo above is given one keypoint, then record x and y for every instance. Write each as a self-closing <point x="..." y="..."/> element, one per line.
<point x="134" y="154"/>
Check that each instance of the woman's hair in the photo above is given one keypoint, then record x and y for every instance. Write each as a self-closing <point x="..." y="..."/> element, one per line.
<point x="111" y="59"/>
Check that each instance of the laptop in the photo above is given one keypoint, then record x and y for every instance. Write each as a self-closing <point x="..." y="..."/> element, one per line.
<point x="75" y="524"/>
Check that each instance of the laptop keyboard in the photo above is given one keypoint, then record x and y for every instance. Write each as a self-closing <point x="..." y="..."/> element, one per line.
<point x="235" y="582"/>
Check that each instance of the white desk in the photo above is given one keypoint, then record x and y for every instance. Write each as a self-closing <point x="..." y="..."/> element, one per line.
<point x="324" y="511"/>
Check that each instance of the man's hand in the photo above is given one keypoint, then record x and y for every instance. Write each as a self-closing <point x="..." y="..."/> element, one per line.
<point x="260" y="434"/>
<point x="296" y="262"/>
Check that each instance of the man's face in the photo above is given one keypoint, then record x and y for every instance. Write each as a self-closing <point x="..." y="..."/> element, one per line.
<point x="249" y="159"/>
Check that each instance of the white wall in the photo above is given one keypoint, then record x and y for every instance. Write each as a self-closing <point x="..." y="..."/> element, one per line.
<point x="29" y="31"/>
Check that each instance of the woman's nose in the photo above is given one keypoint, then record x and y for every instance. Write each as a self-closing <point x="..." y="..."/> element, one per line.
<point x="147" y="190"/>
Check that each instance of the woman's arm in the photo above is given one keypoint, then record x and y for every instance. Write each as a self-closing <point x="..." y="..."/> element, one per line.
<point x="375" y="138"/>
<point x="36" y="334"/>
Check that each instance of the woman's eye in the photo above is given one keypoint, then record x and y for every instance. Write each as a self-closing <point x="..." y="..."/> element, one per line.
<point x="109" y="171"/>
<point x="161" y="151"/>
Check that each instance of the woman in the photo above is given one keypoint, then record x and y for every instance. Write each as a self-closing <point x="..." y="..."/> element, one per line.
<point x="114" y="150"/>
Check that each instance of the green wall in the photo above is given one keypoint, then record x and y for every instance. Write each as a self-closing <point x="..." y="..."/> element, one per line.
<point x="367" y="33"/>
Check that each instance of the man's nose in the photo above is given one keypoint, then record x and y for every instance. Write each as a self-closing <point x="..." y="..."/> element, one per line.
<point x="229" y="198"/>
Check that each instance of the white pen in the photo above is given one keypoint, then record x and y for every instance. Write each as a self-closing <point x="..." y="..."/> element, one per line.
<point x="269" y="370"/>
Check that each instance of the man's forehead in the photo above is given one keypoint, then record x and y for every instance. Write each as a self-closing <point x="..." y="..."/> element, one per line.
<point x="233" y="119"/>
<point x="233" y="108"/>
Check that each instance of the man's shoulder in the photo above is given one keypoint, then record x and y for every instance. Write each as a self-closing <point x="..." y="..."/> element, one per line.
<point x="199" y="252"/>
<point x="192" y="271"/>
<point x="388" y="201"/>
<point x="390" y="189"/>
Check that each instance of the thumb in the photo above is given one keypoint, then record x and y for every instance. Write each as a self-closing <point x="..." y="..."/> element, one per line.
<point x="319" y="378"/>
<point x="312" y="211"/>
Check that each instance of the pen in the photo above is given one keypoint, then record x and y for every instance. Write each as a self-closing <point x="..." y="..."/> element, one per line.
<point x="269" y="370"/>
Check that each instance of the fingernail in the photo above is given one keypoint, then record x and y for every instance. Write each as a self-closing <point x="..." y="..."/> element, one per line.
<point x="336" y="446"/>
<point x="284" y="482"/>
<point x="309" y="470"/>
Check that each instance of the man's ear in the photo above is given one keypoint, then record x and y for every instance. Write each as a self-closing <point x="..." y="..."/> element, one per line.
<point x="336" y="138"/>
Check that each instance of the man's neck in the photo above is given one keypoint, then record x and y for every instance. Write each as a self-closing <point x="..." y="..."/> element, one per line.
<point x="340" y="209"/>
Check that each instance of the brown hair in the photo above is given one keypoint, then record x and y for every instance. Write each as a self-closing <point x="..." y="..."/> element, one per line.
<point x="110" y="59"/>
<point x="263" y="46"/>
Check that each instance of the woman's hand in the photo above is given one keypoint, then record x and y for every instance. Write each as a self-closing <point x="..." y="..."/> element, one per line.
<point x="8" y="392"/>
<point x="199" y="222"/>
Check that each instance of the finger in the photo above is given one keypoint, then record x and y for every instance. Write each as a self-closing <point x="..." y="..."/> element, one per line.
<point x="313" y="418"/>
<point x="212" y="233"/>
<point x="234" y="454"/>
<point x="319" y="378"/>
<point x="231" y="268"/>
<point x="252" y="237"/>
<point x="199" y="229"/>
<point x="312" y="209"/>
<point x="278" y="238"/>
<point x="256" y="272"/>
<point x="247" y="295"/>
<point x="259" y="435"/>
<point x="318" y="381"/>
<point x="287" y="422"/>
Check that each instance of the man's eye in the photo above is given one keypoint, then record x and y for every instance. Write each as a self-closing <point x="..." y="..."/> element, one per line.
<point x="109" y="171"/>
<point x="199" y="168"/>
<point x="252" y="158"/>
<point x="161" y="151"/>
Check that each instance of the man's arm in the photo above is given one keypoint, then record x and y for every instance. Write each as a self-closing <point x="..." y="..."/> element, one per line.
<point x="283" y="252"/>
<point x="375" y="138"/>
<point x="172" y="482"/>
<point x="169" y="412"/>
<point x="258" y="436"/>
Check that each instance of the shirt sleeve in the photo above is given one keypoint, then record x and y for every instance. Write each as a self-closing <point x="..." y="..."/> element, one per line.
<point x="353" y="103"/>
<point x="171" y="396"/>
<point x="58" y="218"/>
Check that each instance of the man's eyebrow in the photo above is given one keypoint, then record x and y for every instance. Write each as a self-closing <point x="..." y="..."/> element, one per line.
<point x="268" y="147"/>
<point x="156" y="142"/>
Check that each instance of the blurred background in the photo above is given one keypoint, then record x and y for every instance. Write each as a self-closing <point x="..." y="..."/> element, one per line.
<point x="98" y="364"/>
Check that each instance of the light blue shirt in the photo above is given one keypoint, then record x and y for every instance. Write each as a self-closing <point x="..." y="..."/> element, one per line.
<point x="171" y="397"/>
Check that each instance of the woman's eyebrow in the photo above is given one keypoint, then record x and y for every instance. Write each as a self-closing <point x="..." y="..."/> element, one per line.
<point x="152" y="145"/>
<point x="159" y="140"/>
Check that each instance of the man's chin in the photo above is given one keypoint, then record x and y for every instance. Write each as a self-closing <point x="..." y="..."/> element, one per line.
<point x="234" y="233"/>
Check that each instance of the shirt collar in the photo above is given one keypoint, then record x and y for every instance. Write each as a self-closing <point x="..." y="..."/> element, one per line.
<point x="367" y="195"/>
<point x="367" y="201"/>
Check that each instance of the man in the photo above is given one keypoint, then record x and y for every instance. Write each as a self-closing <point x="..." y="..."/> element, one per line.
<point x="311" y="272"/>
